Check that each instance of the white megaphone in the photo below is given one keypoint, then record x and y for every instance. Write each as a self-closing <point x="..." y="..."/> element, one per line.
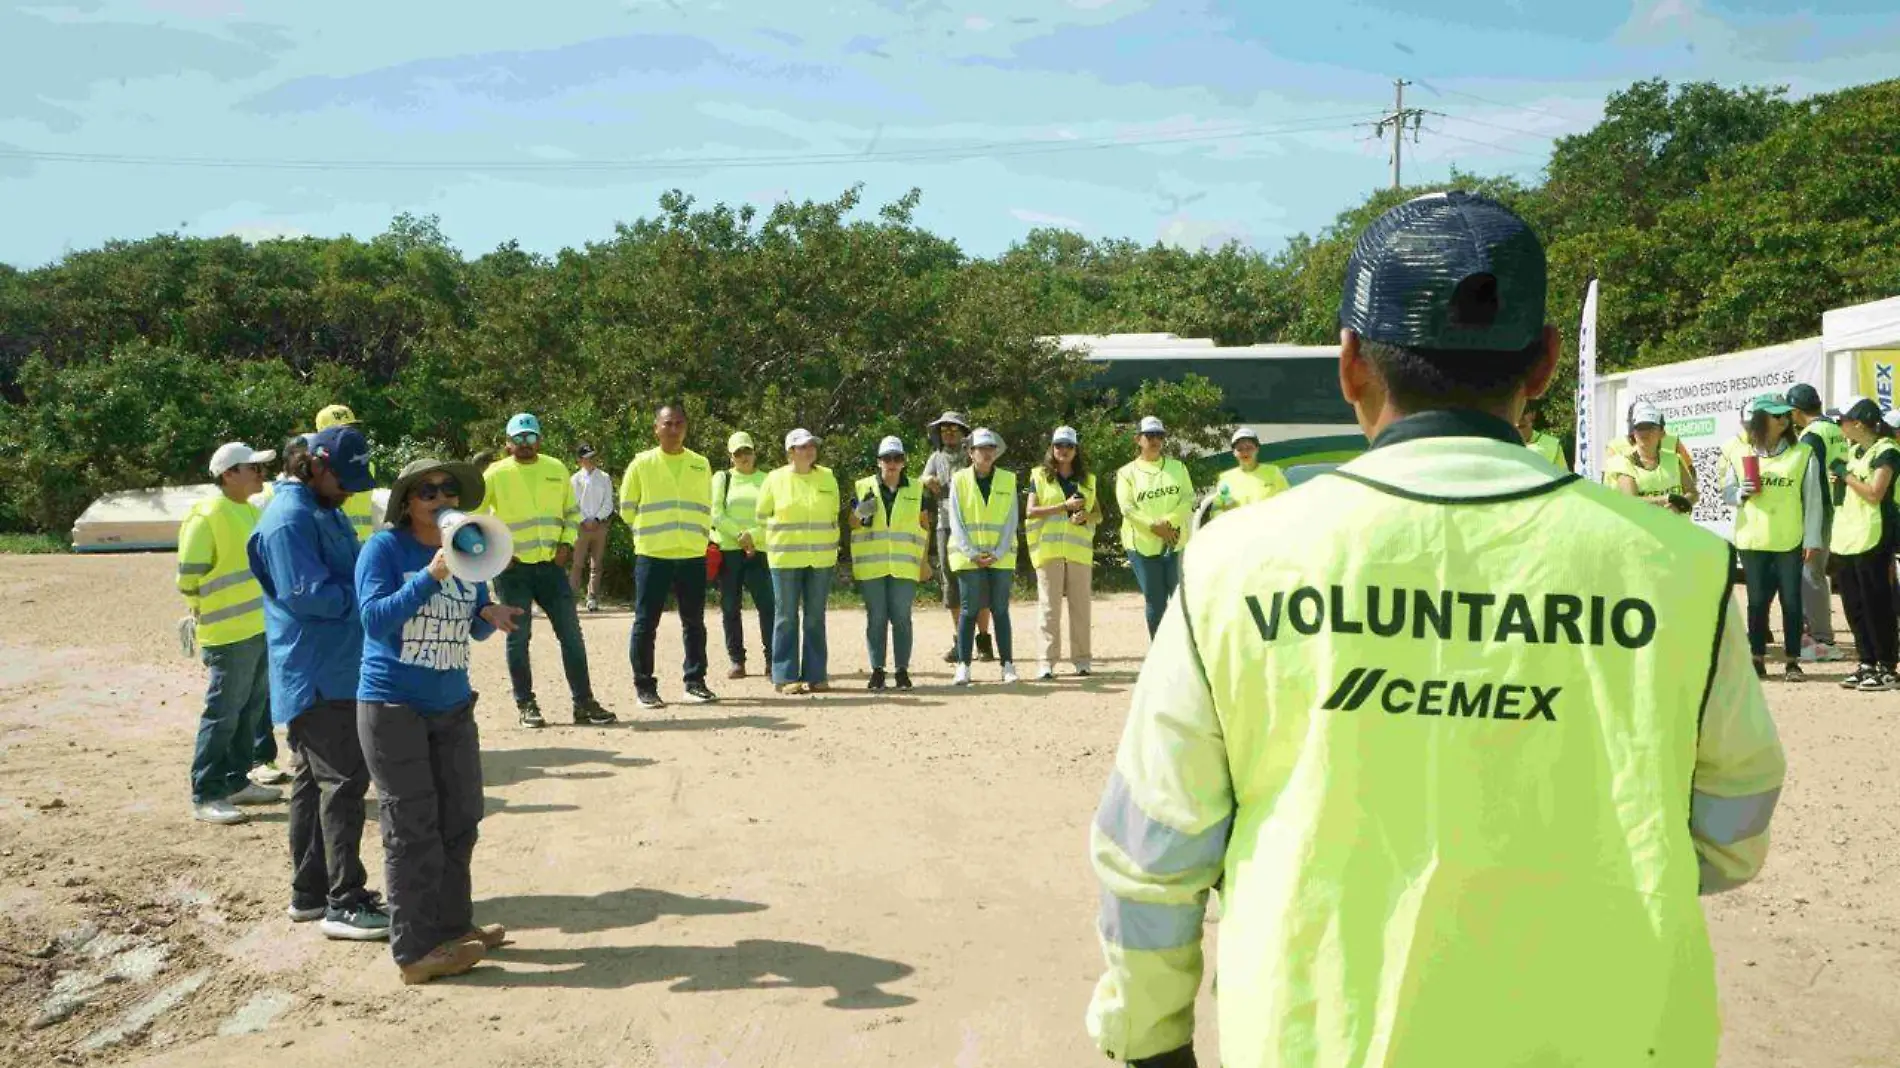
<point x="480" y="546"/>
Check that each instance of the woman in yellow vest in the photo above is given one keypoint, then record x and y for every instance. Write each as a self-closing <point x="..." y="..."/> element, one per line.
<point x="798" y="504"/>
<point x="1646" y="470"/>
<point x="1862" y="542"/>
<point x="1248" y="480"/>
<point x="984" y="511"/>
<point x="1064" y="510"/>
<point x="889" y="531"/>
<point x="1157" y="499"/>
<point x="1778" y="521"/>
<point x="227" y="625"/>
<point x="742" y="569"/>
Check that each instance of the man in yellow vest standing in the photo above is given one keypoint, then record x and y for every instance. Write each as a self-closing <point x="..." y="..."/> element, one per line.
<point x="666" y="499"/>
<point x="358" y="508"/>
<point x="531" y="493"/>
<point x="227" y="626"/>
<point x="1459" y="787"/>
<point x="1824" y="436"/>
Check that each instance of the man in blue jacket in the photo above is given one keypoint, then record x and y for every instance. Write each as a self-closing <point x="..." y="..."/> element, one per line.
<point x="303" y="553"/>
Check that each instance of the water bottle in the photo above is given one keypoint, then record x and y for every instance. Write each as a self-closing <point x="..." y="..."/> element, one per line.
<point x="1226" y="497"/>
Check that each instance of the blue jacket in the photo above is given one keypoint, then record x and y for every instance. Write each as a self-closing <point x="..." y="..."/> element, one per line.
<point x="418" y="629"/>
<point x="304" y="555"/>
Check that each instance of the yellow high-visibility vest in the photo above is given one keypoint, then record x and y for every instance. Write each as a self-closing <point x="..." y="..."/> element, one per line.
<point x="1246" y="487"/>
<point x="1621" y="447"/>
<point x="1858" y="524"/>
<point x="214" y="570"/>
<point x="1659" y="481"/>
<point x="671" y="517"/>
<point x="1838" y="447"/>
<point x="1149" y="493"/>
<point x="893" y="545"/>
<point x="1771" y="521"/>
<point x="735" y="502"/>
<point x="983" y="520"/>
<point x="536" y="501"/>
<point x="357" y="508"/>
<point x="1547" y="446"/>
<point x="1055" y="537"/>
<point x="800" y="513"/>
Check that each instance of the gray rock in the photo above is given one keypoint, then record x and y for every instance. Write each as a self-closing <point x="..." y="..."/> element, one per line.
<point x="258" y="1013"/>
<point x="140" y="1016"/>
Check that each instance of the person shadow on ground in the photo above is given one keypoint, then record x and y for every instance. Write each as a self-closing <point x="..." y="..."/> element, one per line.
<point x="856" y="980"/>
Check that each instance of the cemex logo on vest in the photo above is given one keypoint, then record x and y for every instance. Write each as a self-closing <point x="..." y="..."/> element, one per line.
<point x="1451" y="698"/>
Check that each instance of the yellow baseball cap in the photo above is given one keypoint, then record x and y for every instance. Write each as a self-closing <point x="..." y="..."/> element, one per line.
<point x="335" y="415"/>
<point x="739" y="440"/>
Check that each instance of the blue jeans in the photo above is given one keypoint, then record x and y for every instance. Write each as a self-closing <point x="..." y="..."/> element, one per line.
<point x="798" y="596"/>
<point x="236" y="700"/>
<point x="1157" y="576"/>
<point x="978" y="589"/>
<point x="887" y="604"/>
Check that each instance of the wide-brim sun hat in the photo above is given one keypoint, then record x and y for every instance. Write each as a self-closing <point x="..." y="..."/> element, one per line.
<point x="395" y="511"/>
<point x="952" y="418"/>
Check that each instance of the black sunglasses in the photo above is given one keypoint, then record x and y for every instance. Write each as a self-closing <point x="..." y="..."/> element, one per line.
<point x="429" y="491"/>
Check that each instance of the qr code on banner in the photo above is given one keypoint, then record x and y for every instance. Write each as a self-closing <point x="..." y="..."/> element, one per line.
<point x="1709" y="507"/>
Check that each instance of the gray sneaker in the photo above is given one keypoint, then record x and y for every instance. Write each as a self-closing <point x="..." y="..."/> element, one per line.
<point x="217" y="812"/>
<point x="364" y="921"/>
<point x="256" y="794"/>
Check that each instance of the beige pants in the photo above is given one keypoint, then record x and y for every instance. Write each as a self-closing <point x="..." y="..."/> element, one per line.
<point x="1056" y="581"/>
<point x="589" y="545"/>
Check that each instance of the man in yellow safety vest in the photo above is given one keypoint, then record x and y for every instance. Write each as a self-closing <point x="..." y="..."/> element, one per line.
<point x="1459" y="787"/>
<point x="666" y="499"/>
<point x="226" y="625"/>
<point x="532" y="494"/>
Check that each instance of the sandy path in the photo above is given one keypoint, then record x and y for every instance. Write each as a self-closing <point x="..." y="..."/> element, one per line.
<point x="832" y="880"/>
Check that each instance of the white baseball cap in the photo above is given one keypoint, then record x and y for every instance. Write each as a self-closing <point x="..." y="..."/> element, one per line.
<point x="801" y="436"/>
<point x="1892" y="418"/>
<point x="1065" y="435"/>
<point x="985" y="438"/>
<point x="1151" y="425"/>
<point x="1643" y="412"/>
<point x="890" y="446"/>
<point x="232" y="453"/>
<point x="1246" y="432"/>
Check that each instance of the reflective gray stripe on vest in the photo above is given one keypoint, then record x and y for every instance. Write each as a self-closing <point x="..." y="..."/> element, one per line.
<point x="225" y="582"/>
<point x="887" y="559"/>
<point x="1158" y="848"/>
<point x="1728" y="820"/>
<point x="530" y="524"/>
<point x="525" y="546"/>
<point x="629" y="506"/>
<point x="1148" y="926"/>
<point x="801" y="547"/>
<point x="360" y="520"/>
<point x="194" y="569"/>
<point x="667" y="528"/>
<point x="255" y="604"/>
<point x="772" y="525"/>
<point x="890" y="535"/>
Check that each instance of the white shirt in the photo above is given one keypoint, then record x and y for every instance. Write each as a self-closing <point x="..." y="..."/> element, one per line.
<point x="593" y="493"/>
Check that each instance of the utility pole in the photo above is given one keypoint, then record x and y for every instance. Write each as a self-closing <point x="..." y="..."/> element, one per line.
<point x="1397" y="120"/>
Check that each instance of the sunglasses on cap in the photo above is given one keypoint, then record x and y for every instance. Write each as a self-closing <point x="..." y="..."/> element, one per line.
<point x="528" y="437"/>
<point x="429" y="491"/>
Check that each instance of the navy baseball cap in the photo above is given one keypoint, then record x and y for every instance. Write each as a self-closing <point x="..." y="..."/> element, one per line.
<point x="346" y="450"/>
<point x="1447" y="271"/>
<point x="1805" y="397"/>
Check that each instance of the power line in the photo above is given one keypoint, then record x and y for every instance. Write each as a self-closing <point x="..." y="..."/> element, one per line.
<point x="923" y="154"/>
<point x="1493" y="103"/>
<point x="1396" y="119"/>
<point x="1493" y="125"/>
<point x="1485" y="144"/>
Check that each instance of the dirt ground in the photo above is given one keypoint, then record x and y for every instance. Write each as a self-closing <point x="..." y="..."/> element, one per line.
<point x="831" y="880"/>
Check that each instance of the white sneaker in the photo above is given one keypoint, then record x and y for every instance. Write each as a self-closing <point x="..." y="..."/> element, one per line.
<point x="1827" y="654"/>
<point x="217" y="812"/>
<point x="254" y="794"/>
<point x="1009" y="674"/>
<point x="962" y="676"/>
<point x="1083" y="667"/>
<point x="269" y="774"/>
<point x="1044" y="673"/>
<point x="593" y="605"/>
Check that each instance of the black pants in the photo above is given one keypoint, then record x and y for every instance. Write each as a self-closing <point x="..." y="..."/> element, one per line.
<point x="428" y="772"/>
<point x="326" y="807"/>
<point x="1769" y="575"/>
<point x="1867" y="597"/>
<point x="740" y="574"/>
<point x="653" y="579"/>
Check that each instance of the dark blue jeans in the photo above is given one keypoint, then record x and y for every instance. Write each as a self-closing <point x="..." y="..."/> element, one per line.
<point x="799" y="653"/>
<point x="653" y="580"/>
<point x="739" y="575"/>
<point x="237" y="698"/>
<point x="523" y="586"/>
<point x="1157" y="576"/>
<point x="887" y="603"/>
<point x="980" y="589"/>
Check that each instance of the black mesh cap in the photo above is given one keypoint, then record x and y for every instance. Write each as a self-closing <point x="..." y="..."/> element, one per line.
<point x="1447" y="271"/>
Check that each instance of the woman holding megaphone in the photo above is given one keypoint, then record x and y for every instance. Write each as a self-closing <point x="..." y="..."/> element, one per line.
<point x="416" y="711"/>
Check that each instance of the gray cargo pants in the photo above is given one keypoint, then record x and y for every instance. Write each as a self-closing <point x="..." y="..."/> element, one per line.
<point x="428" y="772"/>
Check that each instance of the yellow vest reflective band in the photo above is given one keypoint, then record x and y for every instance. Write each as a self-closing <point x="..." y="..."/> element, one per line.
<point x="983" y="521"/>
<point x="1149" y="494"/>
<point x="1246" y="487"/>
<point x="214" y="570"/>
<point x="357" y="508"/>
<point x="1857" y="523"/>
<point x="1665" y="478"/>
<point x="1770" y="521"/>
<point x="890" y="547"/>
<point x="1054" y="537"/>
<point x="800" y="513"/>
<point x="536" y="501"/>
<point x="1550" y="448"/>
<point x="671" y="517"/>
<point x="1462" y="760"/>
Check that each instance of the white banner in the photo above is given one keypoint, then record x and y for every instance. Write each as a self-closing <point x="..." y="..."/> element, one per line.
<point x="1702" y="403"/>
<point x="1587" y="385"/>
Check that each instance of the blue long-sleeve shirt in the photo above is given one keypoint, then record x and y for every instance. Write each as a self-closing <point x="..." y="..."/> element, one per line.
<point x="415" y="630"/>
<point x="304" y="557"/>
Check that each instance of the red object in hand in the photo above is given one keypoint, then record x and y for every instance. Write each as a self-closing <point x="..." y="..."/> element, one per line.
<point x="1751" y="471"/>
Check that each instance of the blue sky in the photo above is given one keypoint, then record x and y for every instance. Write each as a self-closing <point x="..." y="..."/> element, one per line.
<point x="1186" y="121"/>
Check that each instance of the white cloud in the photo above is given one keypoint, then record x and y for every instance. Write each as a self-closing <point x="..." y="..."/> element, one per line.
<point x="1043" y="218"/>
<point x="255" y="231"/>
<point x="977" y="23"/>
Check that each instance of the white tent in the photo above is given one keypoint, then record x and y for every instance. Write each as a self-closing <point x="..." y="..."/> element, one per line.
<point x="148" y="520"/>
<point x="1875" y="325"/>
